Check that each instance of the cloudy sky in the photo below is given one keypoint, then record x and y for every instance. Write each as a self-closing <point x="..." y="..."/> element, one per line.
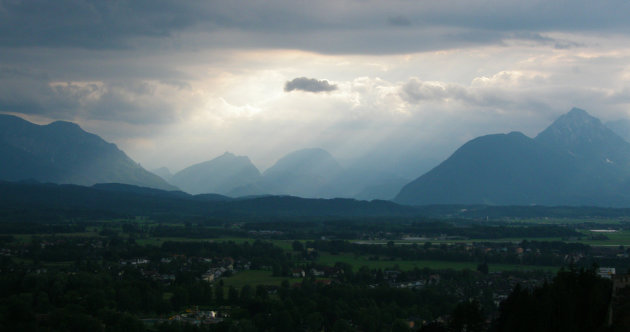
<point x="376" y="82"/>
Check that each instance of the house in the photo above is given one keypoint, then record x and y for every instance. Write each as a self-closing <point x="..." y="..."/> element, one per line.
<point x="606" y="272"/>
<point x="209" y="277"/>
<point x="298" y="273"/>
<point x="323" y="282"/>
<point x="620" y="281"/>
<point x="317" y="273"/>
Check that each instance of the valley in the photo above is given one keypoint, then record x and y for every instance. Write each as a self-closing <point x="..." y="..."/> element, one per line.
<point x="314" y="166"/>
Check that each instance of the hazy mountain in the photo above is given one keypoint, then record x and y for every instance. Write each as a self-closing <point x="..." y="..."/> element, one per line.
<point x="314" y="173"/>
<point x="250" y="189"/>
<point x="405" y="161"/>
<point x="304" y="173"/>
<point x="586" y="138"/>
<point x="366" y="184"/>
<point x="221" y="175"/>
<point x="575" y="161"/>
<point x="621" y="128"/>
<point x="61" y="152"/>
<point x="385" y="189"/>
<point x="601" y="156"/>
<point x="494" y="169"/>
<point x="163" y="172"/>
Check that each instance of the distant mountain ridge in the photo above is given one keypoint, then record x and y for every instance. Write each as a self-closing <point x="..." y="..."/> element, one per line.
<point x="23" y="200"/>
<point x="221" y="175"/>
<point x="305" y="173"/>
<point x="575" y="161"/>
<point x="314" y="173"/>
<point x="163" y="172"/>
<point x="62" y="152"/>
<point x="620" y="127"/>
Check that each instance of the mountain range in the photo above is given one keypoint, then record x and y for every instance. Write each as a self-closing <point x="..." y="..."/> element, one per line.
<point x="62" y="152"/>
<point x="308" y="173"/>
<point x="577" y="160"/>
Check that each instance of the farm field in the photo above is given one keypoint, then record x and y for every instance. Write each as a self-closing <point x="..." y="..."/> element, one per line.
<point x="618" y="238"/>
<point x="254" y="278"/>
<point x="404" y="265"/>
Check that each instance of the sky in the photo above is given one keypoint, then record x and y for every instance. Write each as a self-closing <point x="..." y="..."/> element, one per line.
<point x="394" y="85"/>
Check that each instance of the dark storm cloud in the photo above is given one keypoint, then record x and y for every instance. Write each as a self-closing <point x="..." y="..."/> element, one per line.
<point x="89" y="24"/>
<point x="311" y="26"/>
<point x="309" y="85"/>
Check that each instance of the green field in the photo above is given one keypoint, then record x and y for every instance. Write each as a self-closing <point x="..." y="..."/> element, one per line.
<point x="454" y="241"/>
<point x="255" y="278"/>
<point x="26" y="238"/>
<point x="359" y="261"/>
<point x="571" y="221"/>
<point x="621" y="237"/>
<point x="157" y="241"/>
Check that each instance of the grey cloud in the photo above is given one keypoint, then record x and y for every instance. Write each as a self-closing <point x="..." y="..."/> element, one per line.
<point x="309" y="85"/>
<point x="399" y="20"/>
<point x="530" y="96"/>
<point x="94" y="24"/>
<point x="90" y="24"/>
<point x="416" y="91"/>
<point x="565" y="44"/>
<point x="133" y="102"/>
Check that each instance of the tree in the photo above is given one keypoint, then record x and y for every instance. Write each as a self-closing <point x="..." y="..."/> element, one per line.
<point x="342" y="325"/>
<point x="297" y="246"/>
<point x="467" y="317"/>
<point x="246" y="293"/>
<point x="232" y="295"/>
<point x="483" y="268"/>
<point x="433" y="327"/>
<point x="574" y="301"/>
<point x="400" y="326"/>
<point x="261" y="292"/>
<point x="218" y="294"/>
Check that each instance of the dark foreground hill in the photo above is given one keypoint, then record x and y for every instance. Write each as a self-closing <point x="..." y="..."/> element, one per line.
<point x="62" y="152"/>
<point x="575" y="161"/>
<point x="21" y="201"/>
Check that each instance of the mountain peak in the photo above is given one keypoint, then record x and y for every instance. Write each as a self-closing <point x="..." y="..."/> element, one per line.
<point x="575" y="112"/>
<point x="64" y="124"/>
<point x="220" y="175"/>
<point x="62" y="152"/>
<point x="576" y="119"/>
<point x="575" y="130"/>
